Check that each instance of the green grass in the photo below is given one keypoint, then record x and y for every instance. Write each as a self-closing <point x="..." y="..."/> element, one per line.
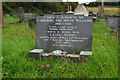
<point x="112" y="11"/>
<point x="18" y="39"/>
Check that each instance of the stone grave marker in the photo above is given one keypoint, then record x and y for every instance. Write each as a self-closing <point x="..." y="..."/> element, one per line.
<point x="24" y="16"/>
<point x="20" y="13"/>
<point x="113" y="24"/>
<point x="70" y="33"/>
<point x="20" y="10"/>
<point x="81" y="10"/>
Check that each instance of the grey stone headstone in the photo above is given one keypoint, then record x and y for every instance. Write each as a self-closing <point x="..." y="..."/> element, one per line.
<point x="20" y="12"/>
<point x="113" y="22"/>
<point x="70" y="33"/>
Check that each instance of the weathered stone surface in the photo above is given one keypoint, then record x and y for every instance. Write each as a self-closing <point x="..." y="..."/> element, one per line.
<point x="113" y="22"/>
<point x="70" y="33"/>
<point x="36" y="53"/>
<point x="81" y="10"/>
<point x="86" y="53"/>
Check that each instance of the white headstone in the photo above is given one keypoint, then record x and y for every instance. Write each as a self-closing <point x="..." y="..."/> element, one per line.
<point x="81" y="10"/>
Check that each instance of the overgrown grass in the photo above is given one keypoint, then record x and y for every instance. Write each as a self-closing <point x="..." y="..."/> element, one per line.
<point x="108" y="10"/>
<point x="19" y="39"/>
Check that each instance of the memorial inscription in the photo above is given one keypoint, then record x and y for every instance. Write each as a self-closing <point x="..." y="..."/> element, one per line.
<point x="71" y="33"/>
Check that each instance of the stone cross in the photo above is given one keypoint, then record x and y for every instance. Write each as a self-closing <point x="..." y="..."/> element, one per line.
<point x="99" y="11"/>
<point x="102" y="9"/>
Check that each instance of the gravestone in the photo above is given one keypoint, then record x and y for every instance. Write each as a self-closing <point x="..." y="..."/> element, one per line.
<point x="20" y="10"/>
<point x="20" y="13"/>
<point x="24" y="16"/>
<point x="99" y="11"/>
<point x="67" y="32"/>
<point x="113" y="24"/>
<point x="81" y="10"/>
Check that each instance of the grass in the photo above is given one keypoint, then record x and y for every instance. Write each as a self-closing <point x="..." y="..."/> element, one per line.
<point x="18" y="39"/>
<point x="108" y="10"/>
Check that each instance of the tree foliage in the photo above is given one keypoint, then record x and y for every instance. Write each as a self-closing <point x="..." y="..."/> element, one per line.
<point x="38" y="7"/>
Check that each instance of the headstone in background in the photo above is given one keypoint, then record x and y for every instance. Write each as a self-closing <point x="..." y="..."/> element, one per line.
<point x="99" y="11"/>
<point x="81" y="10"/>
<point x="70" y="33"/>
<point x="102" y="9"/>
<point x="24" y="16"/>
<point x="113" y="22"/>
<point x="20" y="13"/>
<point x="20" y="10"/>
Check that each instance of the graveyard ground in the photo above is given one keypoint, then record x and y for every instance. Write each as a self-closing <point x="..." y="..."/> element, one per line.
<point x="109" y="10"/>
<point x="18" y="39"/>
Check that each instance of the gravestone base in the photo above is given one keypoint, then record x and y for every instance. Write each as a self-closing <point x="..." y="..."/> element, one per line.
<point x="73" y="57"/>
<point x="36" y="53"/>
<point x="44" y="56"/>
<point x="84" y="55"/>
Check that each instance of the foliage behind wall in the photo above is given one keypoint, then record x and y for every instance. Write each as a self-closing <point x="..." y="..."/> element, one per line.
<point x="38" y="7"/>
